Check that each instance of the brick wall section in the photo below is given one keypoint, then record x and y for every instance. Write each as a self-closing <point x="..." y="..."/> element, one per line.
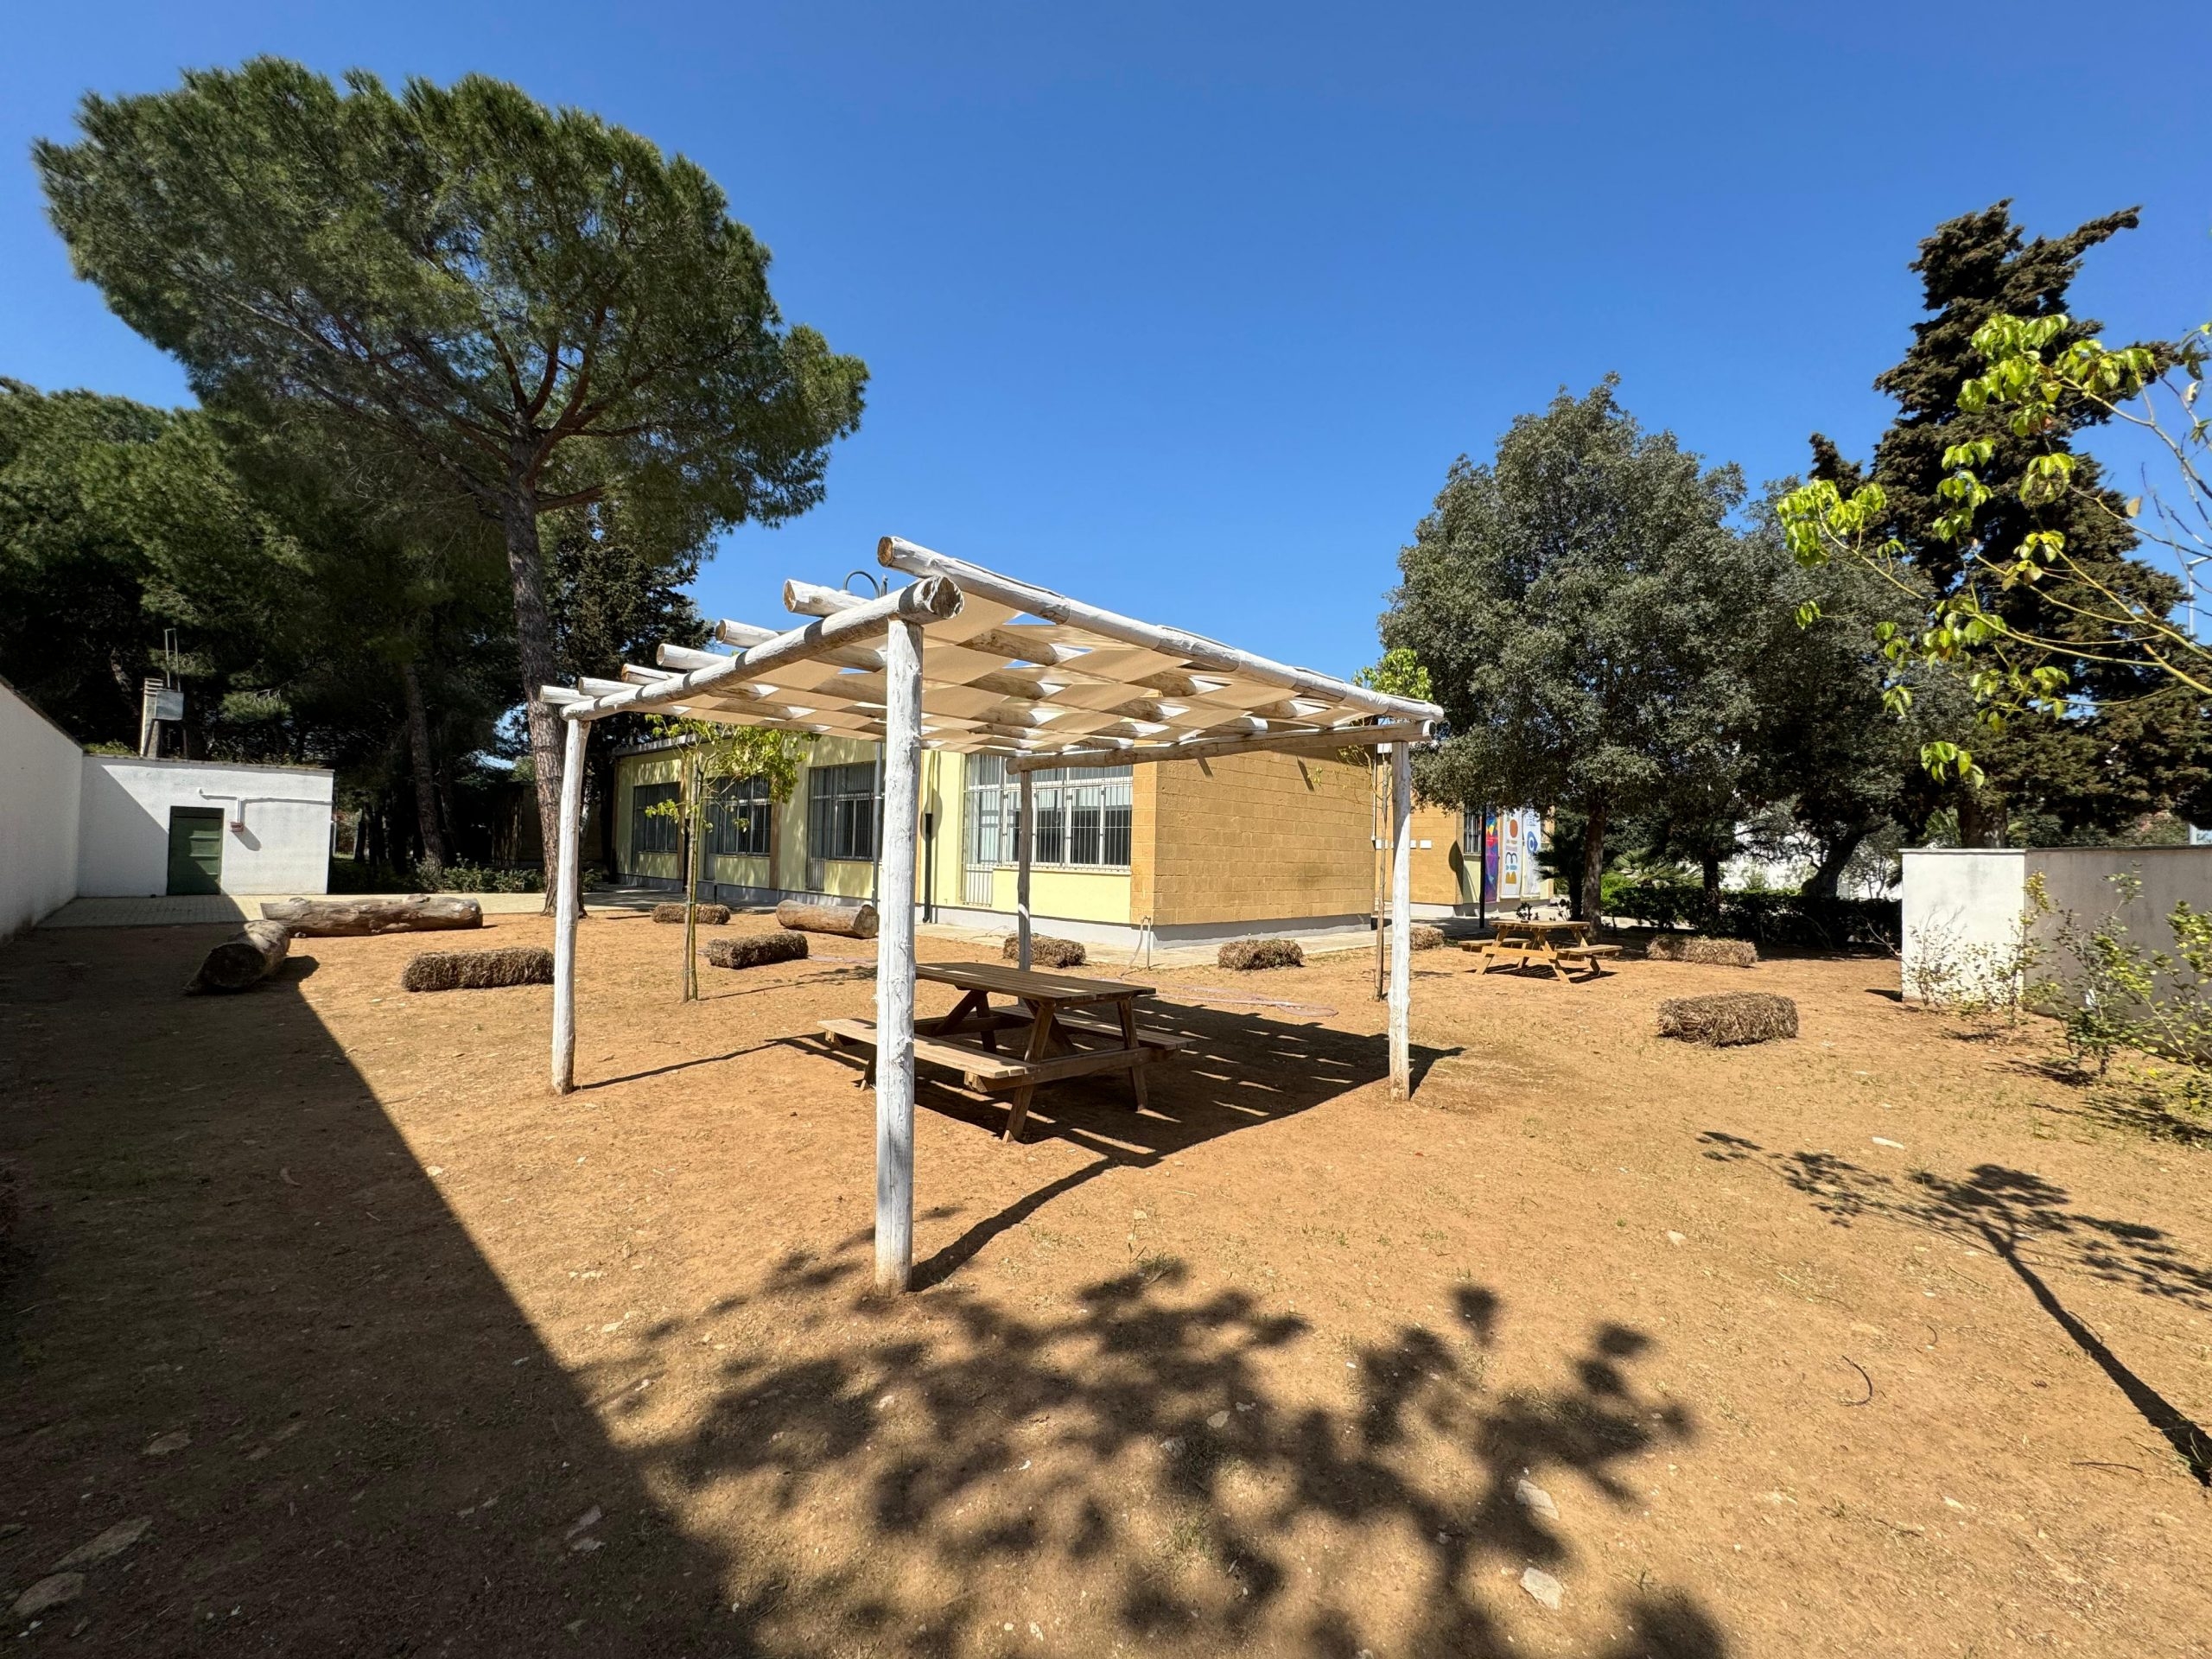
<point x="1254" y="836"/>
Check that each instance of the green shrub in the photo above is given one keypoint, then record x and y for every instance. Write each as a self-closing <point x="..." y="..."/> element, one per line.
<point x="1769" y="919"/>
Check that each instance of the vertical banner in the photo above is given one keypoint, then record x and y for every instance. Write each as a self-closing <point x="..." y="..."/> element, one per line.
<point x="1490" y="855"/>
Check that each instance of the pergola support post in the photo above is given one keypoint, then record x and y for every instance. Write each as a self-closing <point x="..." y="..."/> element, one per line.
<point x="1401" y="917"/>
<point x="1026" y="838"/>
<point x="567" y="882"/>
<point x="894" y="958"/>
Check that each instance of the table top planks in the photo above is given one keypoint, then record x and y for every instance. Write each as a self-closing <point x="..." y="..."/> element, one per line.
<point x="1027" y="984"/>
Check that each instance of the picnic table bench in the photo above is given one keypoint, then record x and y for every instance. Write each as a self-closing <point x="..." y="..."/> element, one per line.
<point x="1048" y="1017"/>
<point x="1557" y="945"/>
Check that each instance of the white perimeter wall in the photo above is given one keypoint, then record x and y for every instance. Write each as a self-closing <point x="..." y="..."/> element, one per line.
<point x="284" y="847"/>
<point x="1961" y="900"/>
<point x="39" y="806"/>
<point x="1962" y="908"/>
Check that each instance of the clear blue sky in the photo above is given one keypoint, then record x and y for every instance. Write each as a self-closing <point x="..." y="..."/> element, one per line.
<point x="1187" y="308"/>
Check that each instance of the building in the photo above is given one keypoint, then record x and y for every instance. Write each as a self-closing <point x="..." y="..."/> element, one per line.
<point x="1192" y="854"/>
<point x="74" y="824"/>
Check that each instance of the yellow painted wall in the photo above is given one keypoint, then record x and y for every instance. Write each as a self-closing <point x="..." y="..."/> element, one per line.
<point x="1250" y="837"/>
<point x="630" y="772"/>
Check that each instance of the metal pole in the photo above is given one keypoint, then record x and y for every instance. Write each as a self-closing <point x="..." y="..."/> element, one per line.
<point x="1026" y="834"/>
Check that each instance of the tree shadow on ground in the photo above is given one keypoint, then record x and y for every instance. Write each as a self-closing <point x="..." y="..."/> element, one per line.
<point x="1237" y="1071"/>
<point x="228" y="1253"/>
<point x="1129" y="1461"/>
<point x="2015" y="1215"/>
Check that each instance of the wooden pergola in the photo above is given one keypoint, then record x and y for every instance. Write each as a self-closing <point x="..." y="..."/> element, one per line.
<point x="1006" y="669"/>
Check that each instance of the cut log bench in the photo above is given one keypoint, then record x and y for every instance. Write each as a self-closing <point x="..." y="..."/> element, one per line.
<point x="1555" y="945"/>
<point x="1057" y="1038"/>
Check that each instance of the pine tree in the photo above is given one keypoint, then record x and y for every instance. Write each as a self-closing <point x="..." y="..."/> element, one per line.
<point x="2086" y="770"/>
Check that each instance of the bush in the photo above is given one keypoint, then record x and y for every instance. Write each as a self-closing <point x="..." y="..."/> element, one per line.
<point x="431" y="876"/>
<point x="1045" y="951"/>
<point x="478" y="970"/>
<point x="756" y="949"/>
<point x="1695" y="947"/>
<point x="1244" y="954"/>
<point x="1727" y="1021"/>
<point x="1793" y="918"/>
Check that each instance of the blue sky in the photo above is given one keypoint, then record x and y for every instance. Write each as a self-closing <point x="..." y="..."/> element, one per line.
<point x="1188" y="308"/>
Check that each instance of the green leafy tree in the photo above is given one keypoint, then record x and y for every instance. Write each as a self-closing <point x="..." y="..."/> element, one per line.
<point x="714" y="756"/>
<point x="2016" y="561"/>
<point x="542" y="309"/>
<point x="1580" y="604"/>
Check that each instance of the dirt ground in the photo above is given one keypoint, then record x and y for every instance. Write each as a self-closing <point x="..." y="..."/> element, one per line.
<point x="1879" y="1341"/>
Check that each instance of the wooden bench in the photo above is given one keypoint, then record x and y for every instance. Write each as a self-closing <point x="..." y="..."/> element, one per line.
<point x="984" y="1069"/>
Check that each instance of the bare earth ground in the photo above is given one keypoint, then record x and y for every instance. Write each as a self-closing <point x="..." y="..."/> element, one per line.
<point x="401" y="1355"/>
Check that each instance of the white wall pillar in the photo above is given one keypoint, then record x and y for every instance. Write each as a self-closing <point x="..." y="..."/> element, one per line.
<point x="1027" y="838"/>
<point x="568" y="885"/>
<point x="1402" y="918"/>
<point x="894" y="958"/>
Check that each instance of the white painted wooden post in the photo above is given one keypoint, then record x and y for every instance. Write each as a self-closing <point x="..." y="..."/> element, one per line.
<point x="1402" y="918"/>
<point x="894" y="958"/>
<point x="568" y="883"/>
<point x="1026" y="839"/>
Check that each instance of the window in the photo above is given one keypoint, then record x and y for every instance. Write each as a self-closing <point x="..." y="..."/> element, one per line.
<point x="650" y="831"/>
<point x="985" y="783"/>
<point x="1083" y="817"/>
<point x="738" y="813"/>
<point x="841" y="811"/>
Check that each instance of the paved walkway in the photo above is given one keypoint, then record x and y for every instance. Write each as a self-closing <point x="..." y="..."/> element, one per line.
<point x="202" y="910"/>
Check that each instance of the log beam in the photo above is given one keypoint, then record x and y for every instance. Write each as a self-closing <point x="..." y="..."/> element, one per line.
<point x="894" y="960"/>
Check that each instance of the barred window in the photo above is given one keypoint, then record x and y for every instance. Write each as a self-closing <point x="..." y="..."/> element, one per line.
<point x="1082" y="817"/>
<point x="650" y="831"/>
<point x="738" y="814"/>
<point x="842" y="808"/>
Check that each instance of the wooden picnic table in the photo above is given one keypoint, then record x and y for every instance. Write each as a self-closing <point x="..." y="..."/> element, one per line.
<point x="1048" y="1016"/>
<point x="1517" y="943"/>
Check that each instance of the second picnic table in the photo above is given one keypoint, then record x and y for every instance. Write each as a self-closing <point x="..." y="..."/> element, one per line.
<point x="1049" y="1016"/>
<point x="1546" y="943"/>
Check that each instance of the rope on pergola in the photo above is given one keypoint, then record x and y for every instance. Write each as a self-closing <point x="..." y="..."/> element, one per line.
<point x="1006" y="669"/>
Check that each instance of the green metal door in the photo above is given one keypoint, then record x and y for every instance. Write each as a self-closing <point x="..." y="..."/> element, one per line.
<point x="195" y="849"/>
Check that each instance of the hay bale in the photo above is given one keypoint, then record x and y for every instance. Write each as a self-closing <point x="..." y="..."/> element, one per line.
<point x="1726" y="1020"/>
<point x="1247" y="954"/>
<point x="1425" y="936"/>
<point x="710" y="915"/>
<point x="1045" y="951"/>
<point x="756" y="949"/>
<point x="1695" y="947"/>
<point x="478" y="970"/>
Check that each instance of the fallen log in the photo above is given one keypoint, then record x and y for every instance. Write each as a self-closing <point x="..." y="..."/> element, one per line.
<point x="243" y="960"/>
<point x="852" y="921"/>
<point x="420" y="912"/>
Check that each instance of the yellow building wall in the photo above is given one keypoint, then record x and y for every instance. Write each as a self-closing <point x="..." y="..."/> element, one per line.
<point x="1251" y="837"/>
<point x="1445" y="872"/>
<point x="630" y="772"/>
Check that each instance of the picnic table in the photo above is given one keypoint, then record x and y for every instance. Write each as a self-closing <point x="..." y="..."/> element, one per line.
<point x="1557" y="945"/>
<point x="1049" y="1015"/>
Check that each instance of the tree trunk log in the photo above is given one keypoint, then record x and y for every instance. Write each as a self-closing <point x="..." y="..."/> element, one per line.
<point x="421" y="913"/>
<point x="1593" y="896"/>
<point x="853" y="921"/>
<point x="245" y="960"/>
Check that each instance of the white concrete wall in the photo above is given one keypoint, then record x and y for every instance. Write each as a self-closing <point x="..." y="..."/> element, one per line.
<point x="281" y="846"/>
<point x="1966" y="905"/>
<point x="1961" y="913"/>
<point x="39" y="804"/>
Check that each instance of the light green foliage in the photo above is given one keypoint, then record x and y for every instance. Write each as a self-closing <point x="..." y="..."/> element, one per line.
<point x="714" y="755"/>
<point x="2120" y="994"/>
<point x="2037" y="372"/>
<point x="1400" y="674"/>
